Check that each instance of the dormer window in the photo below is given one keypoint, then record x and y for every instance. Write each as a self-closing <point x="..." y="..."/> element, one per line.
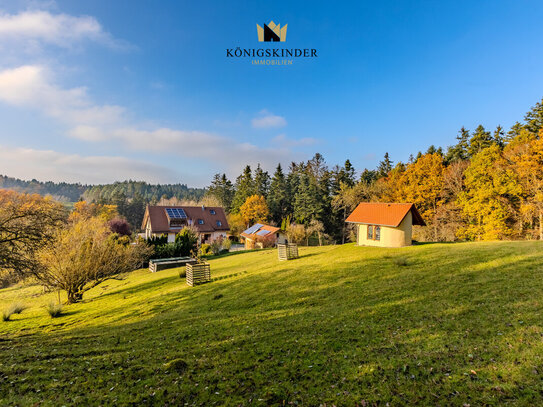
<point x="200" y="221"/>
<point x="212" y="211"/>
<point x="219" y="223"/>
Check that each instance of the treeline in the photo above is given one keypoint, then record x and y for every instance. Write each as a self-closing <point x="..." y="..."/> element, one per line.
<point x="130" y="197"/>
<point x="61" y="191"/>
<point x="489" y="185"/>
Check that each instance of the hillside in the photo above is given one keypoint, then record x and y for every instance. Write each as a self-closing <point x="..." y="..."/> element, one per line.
<point x="433" y="324"/>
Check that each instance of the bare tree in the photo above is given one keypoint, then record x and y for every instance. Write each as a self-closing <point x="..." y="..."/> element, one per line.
<point x="27" y="224"/>
<point x="85" y="254"/>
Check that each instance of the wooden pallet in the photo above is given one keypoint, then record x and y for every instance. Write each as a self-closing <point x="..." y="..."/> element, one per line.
<point x="199" y="273"/>
<point x="287" y="251"/>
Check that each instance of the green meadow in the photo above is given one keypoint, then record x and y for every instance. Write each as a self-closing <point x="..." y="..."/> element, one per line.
<point x="432" y="324"/>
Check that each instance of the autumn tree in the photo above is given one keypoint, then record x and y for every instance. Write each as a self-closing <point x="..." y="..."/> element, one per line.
<point x="27" y="224"/>
<point x="85" y="210"/>
<point x="527" y="157"/>
<point x="422" y="185"/>
<point x="491" y="188"/>
<point x="254" y="210"/>
<point x="85" y="254"/>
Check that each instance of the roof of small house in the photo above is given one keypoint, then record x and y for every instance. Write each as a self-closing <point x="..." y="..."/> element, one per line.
<point x="212" y="217"/>
<point x="258" y="230"/>
<point x="384" y="214"/>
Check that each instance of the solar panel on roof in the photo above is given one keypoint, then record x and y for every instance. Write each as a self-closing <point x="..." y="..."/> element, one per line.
<point x="176" y="213"/>
<point x="263" y="232"/>
<point x="253" y="229"/>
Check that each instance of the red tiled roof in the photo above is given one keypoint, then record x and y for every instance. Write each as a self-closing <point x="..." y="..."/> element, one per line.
<point x="160" y="224"/>
<point x="385" y="214"/>
<point x="271" y="229"/>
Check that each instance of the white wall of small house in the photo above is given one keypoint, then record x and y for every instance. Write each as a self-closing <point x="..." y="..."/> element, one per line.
<point x="390" y="237"/>
<point x="171" y="237"/>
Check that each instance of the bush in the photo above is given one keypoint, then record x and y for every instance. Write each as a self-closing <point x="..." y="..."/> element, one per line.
<point x="6" y="315"/>
<point x="205" y="249"/>
<point x="226" y="244"/>
<point x="54" y="310"/>
<point x="120" y="226"/>
<point x="400" y="261"/>
<point x="16" y="308"/>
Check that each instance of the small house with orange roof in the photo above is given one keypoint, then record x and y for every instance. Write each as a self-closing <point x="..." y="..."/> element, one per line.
<point x="385" y="224"/>
<point x="260" y="236"/>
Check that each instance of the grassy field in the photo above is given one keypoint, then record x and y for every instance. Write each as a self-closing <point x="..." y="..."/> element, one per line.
<point x="435" y="324"/>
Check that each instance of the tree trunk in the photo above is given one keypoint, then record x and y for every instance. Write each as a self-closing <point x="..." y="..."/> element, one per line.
<point x="74" y="296"/>
<point x="540" y="224"/>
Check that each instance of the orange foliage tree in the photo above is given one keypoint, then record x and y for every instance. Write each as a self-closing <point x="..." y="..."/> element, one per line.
<point x="255" y="209"/>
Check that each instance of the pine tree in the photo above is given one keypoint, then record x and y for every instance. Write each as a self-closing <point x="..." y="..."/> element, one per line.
<point x="278" y="196"/>
<point x="499" y="136"/>
<point x="306" y="206"/>
<point x="459" y="152"/>
<point x="480" y="139"/>
<point x="262" y="182"/>
<point x="385" y="166"/>
<point x="222" y="189"/>
<point x="534" y="118"/>
<point x="244" y="188"/>
<point x="514" y="132"/>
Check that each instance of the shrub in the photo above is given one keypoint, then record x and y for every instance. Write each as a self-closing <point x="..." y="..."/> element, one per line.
<point x="6" y="315"/>
<point x="120" y="226"/>
<point x="226" y="244"/>
<point x="17" y="308"/>
<point x="400" y="261"/>
<point x="205" y="249"/>
<point x="54" y="309"/>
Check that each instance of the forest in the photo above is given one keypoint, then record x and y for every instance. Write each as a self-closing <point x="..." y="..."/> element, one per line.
<point x="487" y="186"/>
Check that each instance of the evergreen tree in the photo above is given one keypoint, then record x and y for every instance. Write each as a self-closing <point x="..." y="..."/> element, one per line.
<point x="480" y="139"/>
<point x="499" y="136"/>
<point x="278" y="196"/>
<point x="306" y="205"/>
<point x="222" y="189"/>
<point x="514" y="132"/>
<point x="534" y="118"/>
<point x="368" y="177"/>
<point x="459" y="152"/>
<point x="262" y="182"/>
<point x="385" y="166"/>
<point x="244" y="188"/>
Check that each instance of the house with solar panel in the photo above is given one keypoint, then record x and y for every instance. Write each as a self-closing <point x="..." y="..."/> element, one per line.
<point x="210" y="222"/>
<point x="385" y="224"/>
<point x="259" y="236"/>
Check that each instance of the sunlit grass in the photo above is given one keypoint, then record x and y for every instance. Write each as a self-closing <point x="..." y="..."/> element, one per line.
<point x="437" y="324"/>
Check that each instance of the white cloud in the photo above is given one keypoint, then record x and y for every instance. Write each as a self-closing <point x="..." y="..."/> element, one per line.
<point x="48" y="165"/>
<point x="31" y="86"/>
<point x="266" y="119"/>
<point x="58" y="29"/>
<point x="284" y="141"/>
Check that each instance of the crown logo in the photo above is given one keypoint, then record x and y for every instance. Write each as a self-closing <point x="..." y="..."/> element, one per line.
<point x="271" y="32"/>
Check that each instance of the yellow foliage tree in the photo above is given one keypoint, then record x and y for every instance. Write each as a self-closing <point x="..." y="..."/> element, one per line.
<point x="255" y="209"/>
<point x="491" y="186"/>
<point x="84" y="210"/>
<point x="526" y="154"/>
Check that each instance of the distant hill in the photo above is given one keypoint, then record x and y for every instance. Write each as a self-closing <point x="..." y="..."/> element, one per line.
<point x="68" y="192"/>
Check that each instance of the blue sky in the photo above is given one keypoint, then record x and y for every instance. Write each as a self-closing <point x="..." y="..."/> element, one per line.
<point x="102" y="91"/>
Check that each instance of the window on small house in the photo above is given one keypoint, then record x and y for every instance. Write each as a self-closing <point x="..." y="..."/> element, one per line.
<point x="370" y="232"/>
<point x="377" y="233"/>
<point x="200" y="221"/>
<point x="212" y="211"/>
<point x="219" y="223"/>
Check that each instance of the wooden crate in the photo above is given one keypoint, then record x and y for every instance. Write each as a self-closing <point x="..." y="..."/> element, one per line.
<point x="287" y="251"/>
<point x="172" y="262"/>
<point x="198" y="273"/>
